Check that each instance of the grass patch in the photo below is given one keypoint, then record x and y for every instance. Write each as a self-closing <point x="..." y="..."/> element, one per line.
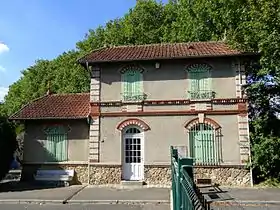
<point x="269" y="183"/>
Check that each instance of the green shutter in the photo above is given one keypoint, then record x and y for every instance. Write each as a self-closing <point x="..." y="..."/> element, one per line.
<point x="50" y="147"/>
<point x="202" y="144"/>
<point x="56" y="145"/>
<point x="199" y="78"/>
<point x="132" y="85"/>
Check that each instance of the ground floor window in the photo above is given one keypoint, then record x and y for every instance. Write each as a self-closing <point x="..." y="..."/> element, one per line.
<point x="204" y="144"/>
<point x="56" y="144"/>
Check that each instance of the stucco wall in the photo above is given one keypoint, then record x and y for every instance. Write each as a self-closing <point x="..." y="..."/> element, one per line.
<point x="166" y="131"/>
<point x="34" y="140"/>
<point x="170" y="80"/>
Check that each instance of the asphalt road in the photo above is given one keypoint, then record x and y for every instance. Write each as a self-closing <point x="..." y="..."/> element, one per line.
<point x="83" y="207"/>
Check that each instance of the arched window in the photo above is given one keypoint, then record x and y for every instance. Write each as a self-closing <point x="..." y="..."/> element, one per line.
<point x="56" y="143"/>
<point x="132" y="130"/>
<point x="204" y="143"/>
<point x="132" y="84"/>
<point x="199" y="79"/>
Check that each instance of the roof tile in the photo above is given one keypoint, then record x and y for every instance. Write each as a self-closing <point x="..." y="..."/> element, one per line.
<point x="56" y="106"/>
<point x="160" y="51"/>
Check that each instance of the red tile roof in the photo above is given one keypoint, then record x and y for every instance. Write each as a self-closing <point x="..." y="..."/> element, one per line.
<point x="160" y="51"/>
<point x="56" y="106"/>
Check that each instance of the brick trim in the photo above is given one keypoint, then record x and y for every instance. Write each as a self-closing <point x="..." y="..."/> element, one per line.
<point x="188" y="125"/>
<point x="170" y="102"/>
<point x="133" y="121"/>
<point x="169" y="113"/>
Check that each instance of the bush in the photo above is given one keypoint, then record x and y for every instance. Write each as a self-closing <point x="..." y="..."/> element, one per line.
<point x="266" y="157"/>
<point x="8" y="145"/>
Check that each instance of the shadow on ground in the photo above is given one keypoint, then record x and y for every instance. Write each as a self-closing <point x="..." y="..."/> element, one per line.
<point x="213" y="193"/>
<point x="18" y="186"/>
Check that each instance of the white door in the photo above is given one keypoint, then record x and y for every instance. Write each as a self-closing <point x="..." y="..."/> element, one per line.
<point x="133" y="167"/>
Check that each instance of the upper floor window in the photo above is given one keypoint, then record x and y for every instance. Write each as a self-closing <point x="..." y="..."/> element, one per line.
<point x="132" y="84"/>
<point x="199" y="78"/>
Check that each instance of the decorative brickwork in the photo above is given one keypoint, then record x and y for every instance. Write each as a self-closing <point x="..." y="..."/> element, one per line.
<point x="133" y="121"/>
<point x="208" y="121"/>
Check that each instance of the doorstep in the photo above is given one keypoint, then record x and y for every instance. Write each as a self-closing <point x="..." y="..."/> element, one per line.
<point x="132" y="183"/>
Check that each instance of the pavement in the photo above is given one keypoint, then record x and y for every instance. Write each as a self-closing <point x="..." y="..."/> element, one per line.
<point x="242" y="198"/>
<point x="84" y="207"/>
<point x="20" y="193"/>
<point x="24" y="196"/>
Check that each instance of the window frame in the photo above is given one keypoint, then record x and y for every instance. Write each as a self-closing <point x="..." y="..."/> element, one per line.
<point x="135" y="90"/>
<point x="199" y="75"/>
<point x="53" y="136"/>
<point x="208" y="155"/>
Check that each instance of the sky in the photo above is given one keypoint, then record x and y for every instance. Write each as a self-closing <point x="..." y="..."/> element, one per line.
<point x="43" y="29"/>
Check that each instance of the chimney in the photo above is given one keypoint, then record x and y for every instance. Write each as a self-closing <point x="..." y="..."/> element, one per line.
<point x="49" y="88"/>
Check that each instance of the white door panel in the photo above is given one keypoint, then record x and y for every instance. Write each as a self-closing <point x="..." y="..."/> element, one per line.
<point x="133" y="168"/>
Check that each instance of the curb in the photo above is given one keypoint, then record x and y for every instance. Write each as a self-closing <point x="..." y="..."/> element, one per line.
<point x="119" y="201"/>
<point x="37" y="201"/>
<point x="29" y="201"/>
<point x="244" y="203"/>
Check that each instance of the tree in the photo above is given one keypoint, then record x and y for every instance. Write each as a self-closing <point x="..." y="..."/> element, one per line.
<point x="8" y="146"/>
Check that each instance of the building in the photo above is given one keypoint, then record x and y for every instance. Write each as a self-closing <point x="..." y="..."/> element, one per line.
<point x="142" y="100"/>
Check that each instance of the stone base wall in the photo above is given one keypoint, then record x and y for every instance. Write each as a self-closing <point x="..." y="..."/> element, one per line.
<point x="80" y="177"/>
<point x="154" y="175"/>
<point x="223" y="175"/>
<point x="103" y="174"/>
<point x="157" y="175"/>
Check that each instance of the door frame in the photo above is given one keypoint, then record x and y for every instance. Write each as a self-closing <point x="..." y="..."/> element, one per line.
<point x="141" y="135"/>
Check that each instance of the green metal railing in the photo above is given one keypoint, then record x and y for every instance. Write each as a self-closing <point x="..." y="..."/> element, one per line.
<point x="185" y="194"/>
<point x="201" y="94"/>
<point x="127" y="96"/>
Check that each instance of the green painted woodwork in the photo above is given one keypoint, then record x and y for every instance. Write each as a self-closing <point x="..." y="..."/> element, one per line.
<point x="203" y="146"/>
<point x="185" y="195"/>
<point x="132" y="85"/>
<point x="56" y="145"/>
<point x="199" y="77"/>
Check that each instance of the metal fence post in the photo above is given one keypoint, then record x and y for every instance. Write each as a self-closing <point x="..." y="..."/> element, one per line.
<point x="174" y="157"/>
<point x="178" y="185"/>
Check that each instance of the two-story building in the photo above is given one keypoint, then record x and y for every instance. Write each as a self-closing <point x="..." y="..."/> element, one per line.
<point x="142" y="100"/>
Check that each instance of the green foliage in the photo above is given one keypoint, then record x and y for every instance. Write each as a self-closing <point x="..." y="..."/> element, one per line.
<point x="8" y="146"/>
<point x="246" y="24"/>
<point x="62" y="75"/>
<point x="267" y="156"/>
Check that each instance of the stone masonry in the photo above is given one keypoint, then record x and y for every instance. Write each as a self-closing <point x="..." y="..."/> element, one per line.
<point x="103" y="174"/>
<point x="155" y="175"/>
<point x="227" y="176"/>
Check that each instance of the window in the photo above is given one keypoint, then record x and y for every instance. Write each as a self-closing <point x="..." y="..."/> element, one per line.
<point x="199" y="77"/>
<point x="56" y="144"/>
<point x="132" y="85"/>
<point x="204" y="144"/>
